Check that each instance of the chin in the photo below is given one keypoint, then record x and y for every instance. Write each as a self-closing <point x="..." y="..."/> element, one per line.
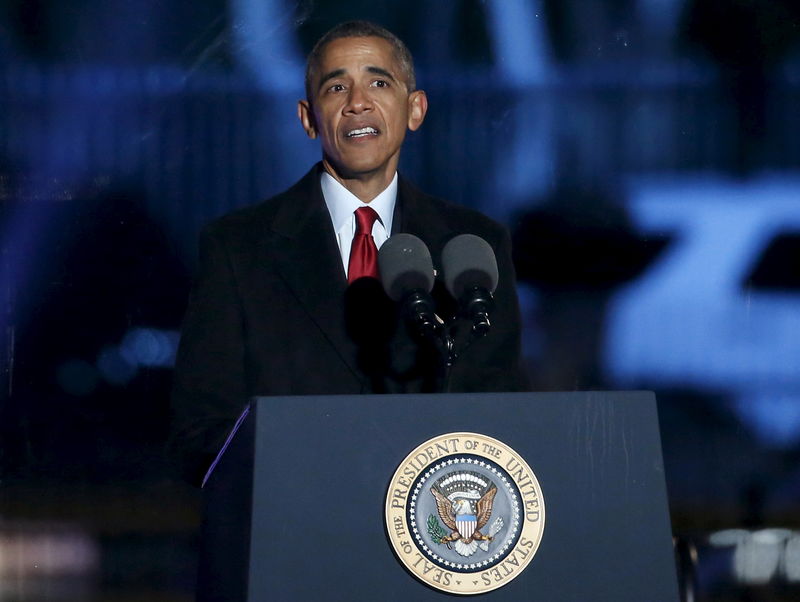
<point x="363" y="169"/>
<point x="358" y="168"/>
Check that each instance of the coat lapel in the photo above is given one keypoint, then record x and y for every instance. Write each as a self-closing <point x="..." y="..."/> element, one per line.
<point x="425" y="217"/>
<point x="414" y="215"/>
<point x="308" y="259"/>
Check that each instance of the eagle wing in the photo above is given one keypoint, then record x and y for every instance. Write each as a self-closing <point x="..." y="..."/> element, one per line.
<point x="485" y="507"/>
<point x="445" y="509"/>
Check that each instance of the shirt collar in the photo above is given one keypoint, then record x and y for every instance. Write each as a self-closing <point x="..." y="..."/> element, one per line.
<point x="342" y="203"/>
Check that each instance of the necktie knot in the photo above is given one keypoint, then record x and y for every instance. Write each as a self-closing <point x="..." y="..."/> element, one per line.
<point x="365" y="219"/>
<point x="364" y="251"/>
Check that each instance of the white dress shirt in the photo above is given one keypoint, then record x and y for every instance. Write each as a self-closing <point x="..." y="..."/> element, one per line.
<point x="342" y="205"/>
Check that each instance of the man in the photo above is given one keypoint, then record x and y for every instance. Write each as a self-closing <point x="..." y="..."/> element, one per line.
<point x="272" y="313"/>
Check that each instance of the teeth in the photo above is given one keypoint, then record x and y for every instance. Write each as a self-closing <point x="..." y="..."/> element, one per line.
<point x="361" y="132"/>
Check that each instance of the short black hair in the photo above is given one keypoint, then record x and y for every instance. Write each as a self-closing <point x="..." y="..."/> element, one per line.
<point x="361" y="29"/>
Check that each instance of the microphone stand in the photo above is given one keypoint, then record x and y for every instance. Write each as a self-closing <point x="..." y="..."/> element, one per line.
<point x="419" y="310"/>
<point x="477" y="302"/>
<point x="476" y="305"/>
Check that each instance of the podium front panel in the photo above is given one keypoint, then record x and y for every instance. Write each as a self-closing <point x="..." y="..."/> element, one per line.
<point x="321" y="468"/>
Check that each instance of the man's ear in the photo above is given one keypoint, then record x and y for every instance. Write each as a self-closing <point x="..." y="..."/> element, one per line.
<point x="306" y="116"/>
<point x="417" y="107"/>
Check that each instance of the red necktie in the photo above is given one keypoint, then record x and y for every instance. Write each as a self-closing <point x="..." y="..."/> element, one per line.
<point x="363" y="253"/>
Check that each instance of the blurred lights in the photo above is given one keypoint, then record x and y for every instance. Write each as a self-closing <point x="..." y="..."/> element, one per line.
<point x="728" y="537"/>
<point x="756" y="561"/>
<point x="772" y="415"/>
<point x="45" y="550"/>
<point x="694" y="320"/>
<point x="149" y="347"/>
<point x="761" y="556"/>
<point x="115" y="367"/>
<point x="119" y="364"/>
<point x="791" y="560"/>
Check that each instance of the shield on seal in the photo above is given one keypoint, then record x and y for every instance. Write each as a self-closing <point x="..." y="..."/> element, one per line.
<point x="465" y="523"/>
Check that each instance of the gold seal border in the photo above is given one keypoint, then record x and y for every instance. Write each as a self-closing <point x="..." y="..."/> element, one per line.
<point x="401" y="537"/>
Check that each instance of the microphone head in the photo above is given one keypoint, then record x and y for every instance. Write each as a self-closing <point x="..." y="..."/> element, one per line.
<point x="405" y="265"/>
<point x="468" y="262"/>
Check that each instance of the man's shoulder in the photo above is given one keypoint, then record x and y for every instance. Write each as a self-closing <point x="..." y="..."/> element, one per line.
<point x="455" y="217"/>
<point x="250" y="217"/>
<point x="260" y="217"/>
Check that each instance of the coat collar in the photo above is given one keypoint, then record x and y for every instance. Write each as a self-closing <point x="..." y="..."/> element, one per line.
<point x="302" y="215"/>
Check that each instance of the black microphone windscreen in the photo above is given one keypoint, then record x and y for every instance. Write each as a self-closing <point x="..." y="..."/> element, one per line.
<point x="468" y="261"/>
<point x="405" y="264"/>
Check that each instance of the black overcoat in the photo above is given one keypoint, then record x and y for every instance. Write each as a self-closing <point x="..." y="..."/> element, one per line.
<point x="271" y="313"/>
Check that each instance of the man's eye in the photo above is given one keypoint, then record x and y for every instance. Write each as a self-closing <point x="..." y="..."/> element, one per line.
<point x="336" y="88"/>
<point x="380" y="83"/>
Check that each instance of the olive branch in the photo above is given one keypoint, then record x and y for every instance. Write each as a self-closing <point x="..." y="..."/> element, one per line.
<point x="435" y="529"/>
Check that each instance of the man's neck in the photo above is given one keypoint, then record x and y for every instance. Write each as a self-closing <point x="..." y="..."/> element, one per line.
<point x="364" y="186"/>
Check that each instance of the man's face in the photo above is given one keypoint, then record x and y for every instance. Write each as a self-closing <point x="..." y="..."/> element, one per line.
<point x="360" y="107"/>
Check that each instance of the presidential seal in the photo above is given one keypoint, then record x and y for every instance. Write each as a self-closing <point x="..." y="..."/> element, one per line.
<point x="464" y="513"/>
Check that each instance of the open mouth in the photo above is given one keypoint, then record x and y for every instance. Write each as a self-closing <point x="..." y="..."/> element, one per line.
<point x="362" y="132"/>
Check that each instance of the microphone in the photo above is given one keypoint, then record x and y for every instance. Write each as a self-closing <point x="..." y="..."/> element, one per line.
<point x="470" y="275"/>
<point x="406" y="271"/>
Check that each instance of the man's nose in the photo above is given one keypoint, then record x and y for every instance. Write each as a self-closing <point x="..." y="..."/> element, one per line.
<point x="358" y="101"/>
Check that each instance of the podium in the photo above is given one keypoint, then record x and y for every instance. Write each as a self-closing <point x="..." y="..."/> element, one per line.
<point x="295" y="504"/>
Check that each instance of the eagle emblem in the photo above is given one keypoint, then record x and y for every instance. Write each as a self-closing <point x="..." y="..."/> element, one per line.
<point x="464" y="502"/>
<point x="454" y="503"/>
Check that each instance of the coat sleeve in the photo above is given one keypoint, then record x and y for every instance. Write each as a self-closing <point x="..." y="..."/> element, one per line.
<point x="209" y="388"/>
